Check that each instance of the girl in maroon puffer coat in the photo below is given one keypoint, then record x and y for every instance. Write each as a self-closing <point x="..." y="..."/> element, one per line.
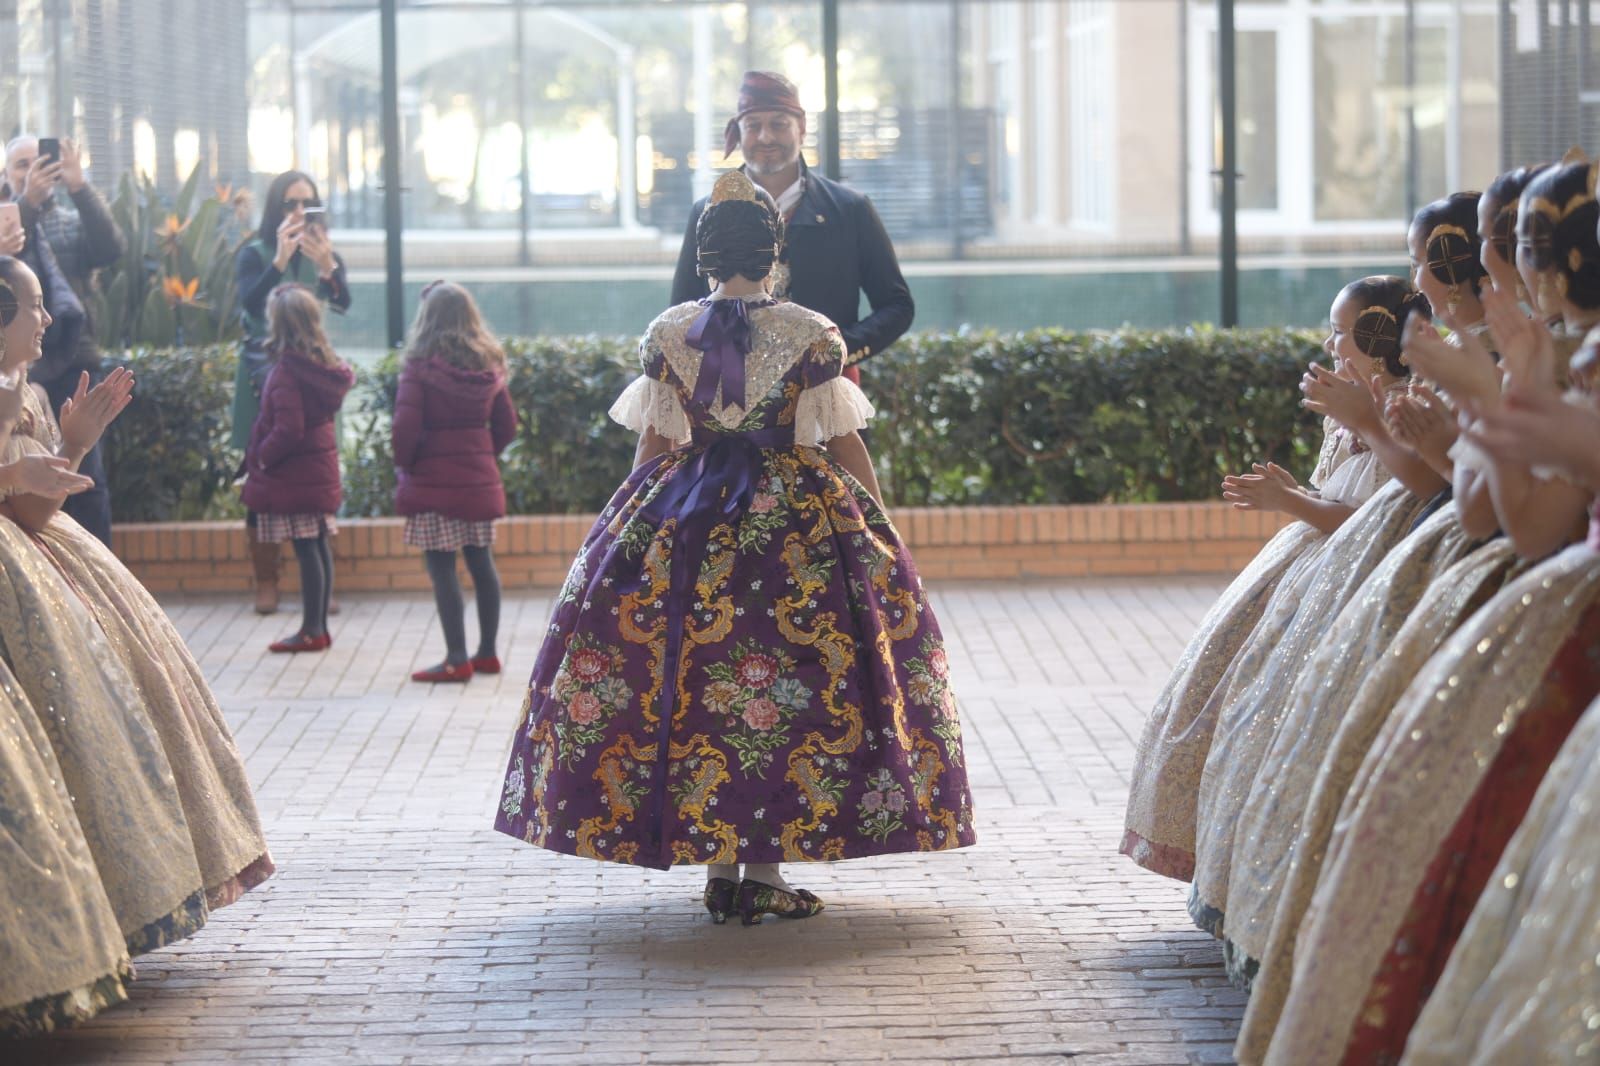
<point x="292" y="463"/>
<point x="452" y="417"/>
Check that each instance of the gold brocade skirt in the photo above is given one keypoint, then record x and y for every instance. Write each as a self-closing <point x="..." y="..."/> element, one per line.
<point x="110" y="756"/>
<point x="1172" y="750"/>
<point x="1448" y="602"/>
<point x="1411" y="789"/>
<point x="64" y="955"/>
<point x="1356" y="641"/>
<point x="1521" y="984"/>
<point x="218" y="804"/>
<point x="1263" y="675"/>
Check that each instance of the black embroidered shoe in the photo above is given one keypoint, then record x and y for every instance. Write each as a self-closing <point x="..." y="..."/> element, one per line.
<point x="757" y="899"/>
<point x="720" y="893"/>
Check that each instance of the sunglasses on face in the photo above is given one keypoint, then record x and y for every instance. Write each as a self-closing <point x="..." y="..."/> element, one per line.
<point x="311" y="201"/>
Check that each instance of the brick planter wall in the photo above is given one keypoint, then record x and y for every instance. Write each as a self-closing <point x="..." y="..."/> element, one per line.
<point x="949" y="543"/>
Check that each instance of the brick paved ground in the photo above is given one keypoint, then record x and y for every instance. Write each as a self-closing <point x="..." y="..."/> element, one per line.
<point x="401" y="929"/>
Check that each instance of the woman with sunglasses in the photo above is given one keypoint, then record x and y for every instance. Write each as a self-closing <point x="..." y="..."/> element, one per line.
<point x="292" y="246"/>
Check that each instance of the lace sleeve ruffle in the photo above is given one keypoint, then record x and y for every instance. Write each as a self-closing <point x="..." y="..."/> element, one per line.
<point x="832" y="409"/>
<point x="652" y="404"/>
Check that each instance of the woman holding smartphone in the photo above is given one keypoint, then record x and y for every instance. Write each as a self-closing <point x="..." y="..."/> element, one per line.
<point x="292" y="245"/>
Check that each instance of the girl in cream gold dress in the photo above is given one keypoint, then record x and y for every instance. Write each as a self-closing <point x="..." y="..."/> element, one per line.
<point x="65" y="955"/>
<point x="1446" y="254"/>
<point x="1278" y="896"/>
<point x="1160" y="822"/>
<point x="218" y="805"/>
<point x="1433" y="801"/>
<point x="1367" y="321"/>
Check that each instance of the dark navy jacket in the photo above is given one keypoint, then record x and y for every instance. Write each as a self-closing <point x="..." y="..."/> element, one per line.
<point x="836" y="249"/>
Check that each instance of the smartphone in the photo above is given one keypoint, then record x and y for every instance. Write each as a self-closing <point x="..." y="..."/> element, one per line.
<point x="316" y="218"/>
<point x="10" y="218"/>
<point x="50" y="148"/>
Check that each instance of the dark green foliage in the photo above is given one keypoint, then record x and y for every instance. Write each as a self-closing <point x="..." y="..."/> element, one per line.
<point x="167" y="456"/>
<point x="1055" y="417"/>
<point x="963" y="418"/>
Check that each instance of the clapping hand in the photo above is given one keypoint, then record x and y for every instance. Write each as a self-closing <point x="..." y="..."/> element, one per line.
<point x="1466" y="372"/>
<point x="1353" y="404"/>
<point x="1421" y="421"/>
<point x="1539" y="428"/>
<point x="46" y="475"/>
<point x="1264" y="490"/>
<point x="1527" y="351"/>
<point x="85" y="416"/>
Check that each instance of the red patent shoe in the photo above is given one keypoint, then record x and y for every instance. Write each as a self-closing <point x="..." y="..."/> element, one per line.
<point x="486" y="664"/>
<point x="301" y="642"/>
<point x="444" y="673"/>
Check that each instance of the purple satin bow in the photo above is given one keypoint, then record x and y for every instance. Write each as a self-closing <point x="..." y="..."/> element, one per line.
<point x="722" y="332"/>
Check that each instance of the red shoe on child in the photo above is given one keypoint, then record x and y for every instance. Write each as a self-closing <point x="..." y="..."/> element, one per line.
<point x="301" y="642"/>
<point x="444" y="673"/>
<point x="486" y="664"/>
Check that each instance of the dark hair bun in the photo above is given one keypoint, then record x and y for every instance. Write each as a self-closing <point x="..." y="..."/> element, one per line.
<point x="1453" y="249"/>
<point x="1504" y="193"/>
<point x="1386" y="303"/>
<point x="738" y="237"/>
<point x="1556" y="222"/>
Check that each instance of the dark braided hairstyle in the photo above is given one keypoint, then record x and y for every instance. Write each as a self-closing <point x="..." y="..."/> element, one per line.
<point x="1504" y="193"/>
<point x="739" y="237"/>
<point x="1451" y="245"/>
<point x="1556" y="223"/>
<point x="1386" y="302"/>
<point x="10" y="267"/>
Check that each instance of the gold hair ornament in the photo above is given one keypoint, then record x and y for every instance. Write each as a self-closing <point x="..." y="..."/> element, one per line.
<point x="734" y="185"/>
<point x="1449" y="250"/>
<point x="1375" y="325"/>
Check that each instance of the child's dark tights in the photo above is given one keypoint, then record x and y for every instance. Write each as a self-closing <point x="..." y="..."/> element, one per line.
<point x="452" y="608"/>
<point x="315" y="556"/>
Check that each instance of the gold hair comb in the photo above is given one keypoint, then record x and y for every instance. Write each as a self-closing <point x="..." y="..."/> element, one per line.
<point x="734" y="185"/>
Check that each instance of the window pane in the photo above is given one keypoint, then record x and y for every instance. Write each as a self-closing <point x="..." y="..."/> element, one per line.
<point x="1360" y="119"/>
<point x="1256" y="60"/>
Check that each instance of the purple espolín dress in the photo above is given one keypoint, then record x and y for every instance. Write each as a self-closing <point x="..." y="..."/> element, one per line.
<point x="742" y="665"/>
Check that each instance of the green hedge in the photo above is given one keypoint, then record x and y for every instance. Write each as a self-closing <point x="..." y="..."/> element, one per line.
<point x="168" y="456"/>
<point x="963" y="418"/>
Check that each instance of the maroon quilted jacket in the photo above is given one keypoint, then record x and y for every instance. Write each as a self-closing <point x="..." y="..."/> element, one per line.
<point x="449" y="426"/>
<point x="292" y="463"/>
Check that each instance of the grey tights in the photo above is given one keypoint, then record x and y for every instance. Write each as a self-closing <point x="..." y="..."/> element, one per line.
<point x="452" y="608"/>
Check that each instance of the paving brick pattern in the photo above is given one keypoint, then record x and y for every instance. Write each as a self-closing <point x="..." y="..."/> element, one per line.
<point x="400" y="929"/>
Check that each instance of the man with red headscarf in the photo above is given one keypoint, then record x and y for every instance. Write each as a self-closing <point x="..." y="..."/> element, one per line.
<point x="836" y="247"/>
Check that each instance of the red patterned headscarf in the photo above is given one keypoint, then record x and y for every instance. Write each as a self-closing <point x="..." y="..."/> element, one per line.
<point x="761" y="91"/>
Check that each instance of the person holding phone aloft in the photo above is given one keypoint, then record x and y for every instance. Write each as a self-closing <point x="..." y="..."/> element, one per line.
<point x="286" y="249"/>
<point x="72" y="241"/>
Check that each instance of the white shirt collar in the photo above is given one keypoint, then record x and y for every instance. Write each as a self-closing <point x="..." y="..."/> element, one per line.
<point x="789" y="199"/>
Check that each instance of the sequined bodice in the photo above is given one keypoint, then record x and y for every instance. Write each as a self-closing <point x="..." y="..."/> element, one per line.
<point x="792" y="349"/>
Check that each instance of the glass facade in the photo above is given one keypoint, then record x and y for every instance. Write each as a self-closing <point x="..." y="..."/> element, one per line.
<point x="1036" y="161"/>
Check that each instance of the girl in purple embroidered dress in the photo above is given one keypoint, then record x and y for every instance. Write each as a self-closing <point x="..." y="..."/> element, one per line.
<point x="742" y="666"/>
